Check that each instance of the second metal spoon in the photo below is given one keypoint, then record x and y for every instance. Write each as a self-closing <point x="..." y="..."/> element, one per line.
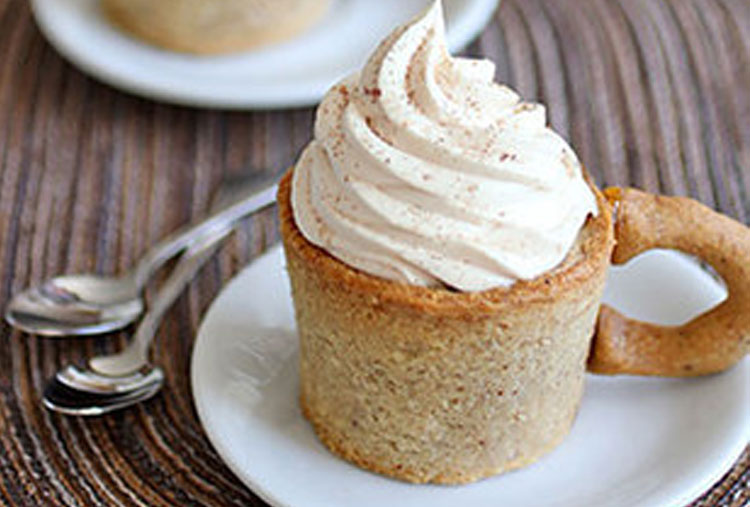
<point x="116" y="381"/>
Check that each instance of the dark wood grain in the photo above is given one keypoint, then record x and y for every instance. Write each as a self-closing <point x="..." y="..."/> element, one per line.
<point x="652" y="93"/>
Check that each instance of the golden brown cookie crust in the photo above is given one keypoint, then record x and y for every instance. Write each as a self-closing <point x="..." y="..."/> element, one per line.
<point x="708" y="344"/>
<point x="414" y="475"/>
<point x="432" y="385"/>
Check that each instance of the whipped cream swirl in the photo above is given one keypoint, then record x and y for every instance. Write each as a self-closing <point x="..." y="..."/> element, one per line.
<point x="424" y="170"/>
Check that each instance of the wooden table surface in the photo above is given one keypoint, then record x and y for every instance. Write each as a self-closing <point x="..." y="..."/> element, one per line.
<point x="651" y="93"/>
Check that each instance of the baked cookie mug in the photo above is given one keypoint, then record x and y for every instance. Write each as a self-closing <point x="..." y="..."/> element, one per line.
<point x="447" y="256"/>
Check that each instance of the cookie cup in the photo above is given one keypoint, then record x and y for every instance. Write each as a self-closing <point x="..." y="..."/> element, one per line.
<point x="433" y="385"/>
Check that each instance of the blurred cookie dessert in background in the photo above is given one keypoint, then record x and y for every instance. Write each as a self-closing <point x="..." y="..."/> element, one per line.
<point x="217" y="26"/>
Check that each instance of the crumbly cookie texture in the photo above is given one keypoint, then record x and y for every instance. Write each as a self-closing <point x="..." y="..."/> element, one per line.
<point x="432" y="385"/>
<point x="216" y="26"/>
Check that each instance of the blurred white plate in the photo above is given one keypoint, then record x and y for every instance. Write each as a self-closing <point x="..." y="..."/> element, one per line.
<point x="294" y="73"/>
<point x="636" y="441"/>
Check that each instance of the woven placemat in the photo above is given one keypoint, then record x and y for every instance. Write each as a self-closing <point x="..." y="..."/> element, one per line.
<point x="652" y="93"/>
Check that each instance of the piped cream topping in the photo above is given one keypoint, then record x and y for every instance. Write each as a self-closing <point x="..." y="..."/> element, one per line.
<point x="424" y="170"/>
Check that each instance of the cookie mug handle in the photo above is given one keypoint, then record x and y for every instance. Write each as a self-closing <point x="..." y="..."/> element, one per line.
<point x="709" y="343"/>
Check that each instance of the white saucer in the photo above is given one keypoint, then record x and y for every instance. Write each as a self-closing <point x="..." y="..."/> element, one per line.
<point x="637" y="441"/>
<point x="295" y="73"/>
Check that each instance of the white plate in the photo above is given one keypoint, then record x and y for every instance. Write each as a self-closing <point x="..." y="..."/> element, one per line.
<point x="637" y="441"/>
<point x="294" y="73"/>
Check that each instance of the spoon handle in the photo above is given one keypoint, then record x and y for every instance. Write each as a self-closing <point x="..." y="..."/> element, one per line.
<point x="135" y="355"/>
<point x="209" y="227"/>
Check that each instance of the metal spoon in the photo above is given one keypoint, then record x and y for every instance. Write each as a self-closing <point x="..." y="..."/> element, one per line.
<point x="117" y="381"/>
<point x="67" y="400"/>
<point x="74" y="305"/>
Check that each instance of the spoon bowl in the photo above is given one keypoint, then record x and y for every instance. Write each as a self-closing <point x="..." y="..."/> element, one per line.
<point x="75" y="305"/>
<point x="61" y="397"/>
<point x="87" y="380"/>
<point x="115" y="381"/>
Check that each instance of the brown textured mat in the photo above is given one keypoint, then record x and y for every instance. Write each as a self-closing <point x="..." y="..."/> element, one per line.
<point x="653" y="93"/>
